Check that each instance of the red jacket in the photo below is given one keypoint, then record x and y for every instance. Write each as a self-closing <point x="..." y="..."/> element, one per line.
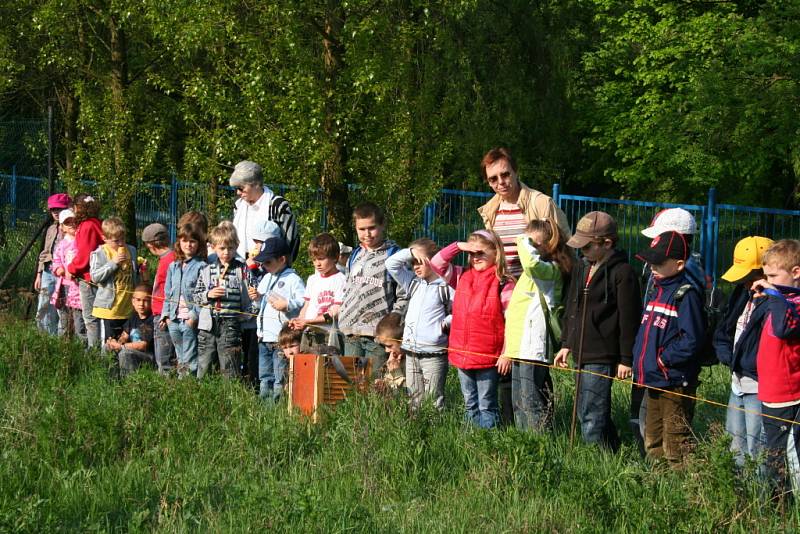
<point x="161" y="279"/>
<point x="88" y="237"/>
<point x="778" y="359"/>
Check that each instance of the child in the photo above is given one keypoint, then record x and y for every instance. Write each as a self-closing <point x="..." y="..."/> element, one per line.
<point x="281" y="293"/>
<point x="221" y="294"/>
<point x="156" y="238"/>
<point x="369" y="293"/>
<point x="134" y="345"/>
<point x="778" y="360"/>
<point x="600" y="336"/>
<point x="289" y="340"/>
<point x="180" y="314"/>
<point x="427" y="321"/>
<point x="483" y="291"/>
<point x="388" y="333"/>
<point x="529" y="338"/>
<point x="324" y="290"/>
<point x="88" y="236"/>
<point x="736" y="345"/>
<point x="47" y="317"/>
<point x="665" y="352"/>
<point x="113" y="270"/>
<point x="67" y="297"/>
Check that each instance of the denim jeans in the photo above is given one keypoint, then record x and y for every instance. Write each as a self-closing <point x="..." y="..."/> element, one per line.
<point x="162" y="346"/>
<point x="366" y="348"/>
<point x="184" y="339"/>
<point x="92" y="323"/>
<point x="745" y="428"/>
<point x="425" y="377"/>
<point x="70" y="322"/>
<point x="532" y="394"/>
<point x="130" y="360"/>
<point x="479" y="387"/>
<point x="271" y="371"/>
<point x="594" y="406"/>
<point x="223" y="344"/>
<point x="46" y="313"/>
<point x="783" y="448"/>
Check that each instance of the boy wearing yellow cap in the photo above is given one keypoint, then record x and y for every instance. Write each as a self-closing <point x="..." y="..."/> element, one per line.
<point x="736" y="344"/>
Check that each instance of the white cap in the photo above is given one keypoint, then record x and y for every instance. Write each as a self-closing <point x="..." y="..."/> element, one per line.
<point x="266" y="229"/>
<point x="64" y="215"/>
<point x="671" y="220"/>
<point x="344" y="249"/>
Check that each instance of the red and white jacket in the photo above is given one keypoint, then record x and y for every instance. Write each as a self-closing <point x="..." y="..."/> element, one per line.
<point x="778" y="359"/>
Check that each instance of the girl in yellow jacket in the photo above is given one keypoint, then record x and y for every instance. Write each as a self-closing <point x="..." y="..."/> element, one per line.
<point x="530" y="343"/>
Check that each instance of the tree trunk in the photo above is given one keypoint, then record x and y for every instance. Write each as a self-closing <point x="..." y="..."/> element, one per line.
<point x="333" y="183"/>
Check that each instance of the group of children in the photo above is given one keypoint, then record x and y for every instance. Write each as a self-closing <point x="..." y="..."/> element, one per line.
<point x="416" y="305"/>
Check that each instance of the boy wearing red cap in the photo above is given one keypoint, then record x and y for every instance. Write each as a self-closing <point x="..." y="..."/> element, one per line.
<point x="665" y="352"/>
<point x="46" y="313"/>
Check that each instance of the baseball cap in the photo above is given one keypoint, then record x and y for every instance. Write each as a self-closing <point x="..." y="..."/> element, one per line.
<point x="59" y="201"/>
<point x="264" y="230"/>
<point x="344" y="249"/>
<point x="746" y="257"/>
<point x="672" y="219"/>
<point x="591" y="226"/>
<point x="274" y="247"/>
<point x="664" y="246"/>
<point x="64" y="215"/>
<point x="154" y="232"/>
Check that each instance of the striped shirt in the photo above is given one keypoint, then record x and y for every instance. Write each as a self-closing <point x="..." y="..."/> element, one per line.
<point x="509" y="224"/>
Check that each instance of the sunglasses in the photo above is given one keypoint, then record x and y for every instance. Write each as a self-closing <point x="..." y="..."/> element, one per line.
<point x="505" y="175"/>
<point x="240" y="188"/>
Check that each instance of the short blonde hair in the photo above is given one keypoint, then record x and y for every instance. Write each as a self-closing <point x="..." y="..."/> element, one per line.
<point x="224" y="234"/>
<point x="113" y="227"/>
<point x="784" y="254"/>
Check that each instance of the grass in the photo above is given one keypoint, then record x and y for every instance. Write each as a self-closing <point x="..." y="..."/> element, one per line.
<point x="83" y="452"/>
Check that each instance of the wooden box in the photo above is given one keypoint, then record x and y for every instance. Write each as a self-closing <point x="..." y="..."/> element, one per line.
<point x="313" y="382"/>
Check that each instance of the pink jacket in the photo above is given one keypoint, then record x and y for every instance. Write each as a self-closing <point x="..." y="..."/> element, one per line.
<point x="63" y="255"/>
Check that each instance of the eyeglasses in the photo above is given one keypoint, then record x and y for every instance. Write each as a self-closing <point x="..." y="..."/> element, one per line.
<point x="505" y="175"/>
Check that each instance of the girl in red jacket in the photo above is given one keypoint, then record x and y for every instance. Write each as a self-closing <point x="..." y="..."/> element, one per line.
<point x="88" y="237"/>
<point x="483" y="290"/>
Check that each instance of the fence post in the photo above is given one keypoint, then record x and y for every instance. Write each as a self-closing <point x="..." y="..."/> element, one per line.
<point x="557" y="194"/>
<point x="712" y="239"/>
<point x="173" y="208"/>
<point x="13" y="197"/>
<point x="427" y="219"/>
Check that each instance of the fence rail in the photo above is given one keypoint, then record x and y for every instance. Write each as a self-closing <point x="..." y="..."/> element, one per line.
<point x="453" y="214"/>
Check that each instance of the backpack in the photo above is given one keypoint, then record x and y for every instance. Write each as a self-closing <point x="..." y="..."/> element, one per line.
<point x="713" y="311"/>
<point x="444" y="295"/>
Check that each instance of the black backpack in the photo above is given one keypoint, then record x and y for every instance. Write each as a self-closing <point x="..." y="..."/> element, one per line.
<point x="713" y="311"/>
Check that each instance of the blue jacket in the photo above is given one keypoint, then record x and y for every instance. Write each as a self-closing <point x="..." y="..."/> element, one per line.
<point x="181" y="283"/>
<point x="288" y="285"/>
<point x="670" y="334"/>
<point x="742" y="358"/>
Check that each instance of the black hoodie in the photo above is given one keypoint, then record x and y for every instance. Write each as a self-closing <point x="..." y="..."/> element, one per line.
<point x="613" y="312"/>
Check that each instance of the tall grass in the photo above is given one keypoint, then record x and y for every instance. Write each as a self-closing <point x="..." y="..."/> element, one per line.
<point x="81" y="451"/>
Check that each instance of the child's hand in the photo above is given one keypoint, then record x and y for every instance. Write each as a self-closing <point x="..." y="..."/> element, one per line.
<point x="393" y="362"/>
<point x="121" y="256"/>
<point x="113" y="344"/>
<point x="278" y="302"/>
<point x="297" y="324"/>
<point x="759" y="286"/>
<point x="162" y="324"/>
<point x="561" y="358"/>
<point x="419" y="255"/>
<point x="466" y="246"/>
<point x="68" y="275"/>
<point x="37" y="284"/>
<point x="252" y="293"/>
<point x="624" y="372"/>
<point x="503" y="365"/>
<point x="60" y="271"/>
<point x="217" y="292"/>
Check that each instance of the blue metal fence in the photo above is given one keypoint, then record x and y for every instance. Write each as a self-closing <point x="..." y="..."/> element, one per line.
<point x="453" y="215"/>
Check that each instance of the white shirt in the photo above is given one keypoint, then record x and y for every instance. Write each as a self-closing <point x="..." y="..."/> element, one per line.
<point x="248" y="217"/>
<point x="322" y="292"/>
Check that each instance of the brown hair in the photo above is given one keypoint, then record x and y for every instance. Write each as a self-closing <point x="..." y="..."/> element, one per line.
<point x="494" y="241"/>
<point x="497" y="154"/>
<point x="324" y="245"/>
<point x="390" y="328"/>
<point x="113" y="227"/>
<point x="428" y="245"/>
<point x="194" y="217"/>
<point x="287" y="336"/>
<point x="784" y="254"/>
<point x="369" y="210"/>
<point x="143" y="288"/>
<point x="558" y="253"/>
<point x="191" y="231"/>
<point x="85" y="209"/>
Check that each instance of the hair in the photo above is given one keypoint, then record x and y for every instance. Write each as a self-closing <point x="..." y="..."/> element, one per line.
<point x="324" y="245"/>
<point x="191" y="231"/>
<point x="158" y="243"/>
<point x="143" y="288"/>
<point x="85" y="207"/>
<point x="369" y="210"/>
<point x="784" y="254"/>
<point x="496" y="154"/>
<point x="558" y="253"/>
<point x="224" y="234"/>
<point x="287" y="336"/>
<point x="494" y="241"/>
<point x="428" y="245"/>
<point x="194" y="217"/>
<point x="390" y="327"/>
<point x="113" y="227"/>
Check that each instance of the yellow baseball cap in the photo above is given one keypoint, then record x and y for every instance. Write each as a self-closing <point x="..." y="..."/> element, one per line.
<point x="746" y="257"/>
